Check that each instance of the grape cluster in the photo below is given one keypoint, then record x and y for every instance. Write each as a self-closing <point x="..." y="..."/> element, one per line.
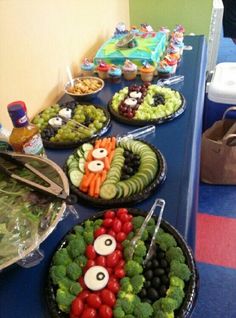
<point x="132" y="163"/>
<point x="48" y="132"/>
<point x="128" y="111"/>
<point x="159" y="99"/>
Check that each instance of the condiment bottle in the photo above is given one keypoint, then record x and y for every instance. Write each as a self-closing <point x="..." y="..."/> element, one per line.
<point x="4" y="138"/>
<point x="25" y="136"/>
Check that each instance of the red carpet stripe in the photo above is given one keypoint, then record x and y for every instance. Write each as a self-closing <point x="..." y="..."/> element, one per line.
<point x="216" y="240"/>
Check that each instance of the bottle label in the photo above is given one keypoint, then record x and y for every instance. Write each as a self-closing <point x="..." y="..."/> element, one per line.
<point x="34" y="146"/>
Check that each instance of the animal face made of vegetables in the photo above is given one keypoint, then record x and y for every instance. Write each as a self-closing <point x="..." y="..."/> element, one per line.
<point x="93" y="276"/>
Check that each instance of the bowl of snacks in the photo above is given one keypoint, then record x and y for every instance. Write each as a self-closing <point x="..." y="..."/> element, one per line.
<point x="84" y="86"/>
<point x="93" y="275"/>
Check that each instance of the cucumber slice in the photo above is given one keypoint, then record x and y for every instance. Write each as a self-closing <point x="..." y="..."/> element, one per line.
<point x="108" y="191"/>
<point x="81" y="164"/>
<point x="76" y="177"/>
<point x="70" y="159"/>
<point x="87" y="147"/>
<point x="86" y="154"/>
<point x="80" y="153"/>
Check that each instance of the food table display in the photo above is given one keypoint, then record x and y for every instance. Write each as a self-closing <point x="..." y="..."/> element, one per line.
<point x="22" y="290"/>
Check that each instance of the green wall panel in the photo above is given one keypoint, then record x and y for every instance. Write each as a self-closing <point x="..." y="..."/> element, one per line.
<point x="195" y="15"/>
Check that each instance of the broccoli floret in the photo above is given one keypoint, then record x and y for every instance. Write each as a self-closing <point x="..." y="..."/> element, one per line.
<point x="64" y="298"/>
<point x="130" y="235"/>
<point x="126" y="243"/>
<point x="175" y="253"/>
<point x="157" y="305"/>
<point x="57" y="273"/>
<point x="162" y="314"/>
<point x="151" y="222"/>
<point x="75" y="288"/>
<point x="127" y="252"/>
<point x="81" y="260"/>
<point x="165" y="240"/>
<point x="143" y="310"/>
<point x="89" y="236"/>
<point x="137" y="282"/>
<point x="70" y="237"/>
<point x="140" y="249"/>
<point x="180" y="270"/>
<point x="125" y="285"/>
<point x="137" y="222"/>
<point x="127" y="306"/>
<point x="97" y="224"/>
<point x="145" y="235"/>
<point x="79" y="229"/>
<point x="177" y="294"/>
<point x="176" y="282"/>
<point x="168" y="304"/>
<point x="134" y="299"/>
<point x="73" y="271"/>
<point x="118" y="312"/>
<point x="129" y="316"/>
<point x="138" y="259"/>
<point x="76" y="247"/>
<point x="61" y="257"/>
<point x="88" y="224"/>
<point x="133" y="268"/>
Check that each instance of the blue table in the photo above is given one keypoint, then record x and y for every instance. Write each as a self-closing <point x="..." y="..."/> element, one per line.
<point x="22" y="291"/>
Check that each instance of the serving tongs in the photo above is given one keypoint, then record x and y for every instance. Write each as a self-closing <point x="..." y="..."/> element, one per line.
<point x="52" y="188"/>
<point x="170" y="81"/>
<point x="137" y="133"/>
<point x="133" y="243"/>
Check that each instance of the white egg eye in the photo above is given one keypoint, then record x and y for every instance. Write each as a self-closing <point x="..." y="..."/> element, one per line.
<point x="65" y="113"/>
<point x="99" y="153"/>
<point x="96" y="277"/>
<point x="135" y="94"/>
<point x="55" y="122"/>
<point x="131" y="102"/>
<point x="104" y="244"/>
<point x="96" y="165"/>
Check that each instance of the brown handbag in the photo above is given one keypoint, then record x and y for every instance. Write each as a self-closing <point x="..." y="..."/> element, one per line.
<point x="218" y="152"/>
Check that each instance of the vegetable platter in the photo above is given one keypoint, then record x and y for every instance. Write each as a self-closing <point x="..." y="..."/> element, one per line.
<point x="91" y="273"/>
<point x="115" y="171"/>
<point x="71" y="124"/>
<point x="144" y="104"/>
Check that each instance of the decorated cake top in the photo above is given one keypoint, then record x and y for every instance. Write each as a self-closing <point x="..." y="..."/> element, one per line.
<point x="87" y="65"/>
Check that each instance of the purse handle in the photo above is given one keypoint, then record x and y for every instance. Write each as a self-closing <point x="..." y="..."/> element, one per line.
<point x="228" y="110"/>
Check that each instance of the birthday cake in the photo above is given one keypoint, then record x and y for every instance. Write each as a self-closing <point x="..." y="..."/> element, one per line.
<point x="145" y="46"/>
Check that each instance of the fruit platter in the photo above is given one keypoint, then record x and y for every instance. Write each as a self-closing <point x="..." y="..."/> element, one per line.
<point x="71" y="124"/>
<point x="144" y="104"/>
<point x="114" y="171"/>
<point x="92" y="275"/>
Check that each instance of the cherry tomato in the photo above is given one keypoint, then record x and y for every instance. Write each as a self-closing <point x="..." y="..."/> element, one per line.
<point x="72" y="315"/>
<point x="130" y="217"/>
<point x="110" y="270"/>
<point x="120" y="237"/>
<point x="119" y="253"/>
<point x="109" y="214"/>
<point x="108" y="297"/>
<point x="124" y="217"/>
<point x="90" y="263"/>
<point x="84" y="295"/>
<point x="119" y="273"/>
<point x="81" y="281"/>
<point x="121" y="211"/>
<point x="99" y="231"/>
<point x="116" y="227"/>
<point x="112" y="233"/>
<point x="112" y="259"/>
<point x="89" y="313"/>
<point x="94" y="301"/>
<point x="127" y="227"/>
<point x="121" y="264"/>
<point x="113" y="285"/>
<point x="101" y="261"/>
<point x="90" y="252"/>
<point x="119" y="246"/>
<point x="107" y="222"/>
<point x="77" y="306"/>
<point x="105" y="312"/>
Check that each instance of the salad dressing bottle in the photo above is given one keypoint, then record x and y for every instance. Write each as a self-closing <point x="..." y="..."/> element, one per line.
<point x="25" y="137"/>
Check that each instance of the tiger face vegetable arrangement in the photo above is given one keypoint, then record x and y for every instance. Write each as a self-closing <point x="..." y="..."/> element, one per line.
<point x="93" y="276"/>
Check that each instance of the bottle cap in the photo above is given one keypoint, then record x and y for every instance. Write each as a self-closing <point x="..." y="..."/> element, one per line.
<point x="17" y="112"/>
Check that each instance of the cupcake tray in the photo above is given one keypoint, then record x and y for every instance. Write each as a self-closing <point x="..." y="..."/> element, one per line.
<point x="191" y="288"/>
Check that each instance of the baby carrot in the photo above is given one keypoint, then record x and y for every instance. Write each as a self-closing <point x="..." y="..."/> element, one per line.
<point x="90" y="156"/>
<point x="97" y="143"/>
<point x="113" y="141"/>
<point x="97" y="185"/>
<point x="92" y="185"/>
<point x="88" y="180"/>
<point x="111" y="155"/>
<point x="104" y="175"/>
<point x="106" y="164"/>
<point x="103" y="143"/>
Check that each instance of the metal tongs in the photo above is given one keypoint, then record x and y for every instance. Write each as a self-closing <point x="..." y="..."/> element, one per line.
<point x="158" y="203"/>
<point x="52" y="189"/>
<point x="170" y="81"/>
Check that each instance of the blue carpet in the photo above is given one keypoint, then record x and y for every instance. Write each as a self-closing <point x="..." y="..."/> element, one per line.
<point x="217" y="292"/>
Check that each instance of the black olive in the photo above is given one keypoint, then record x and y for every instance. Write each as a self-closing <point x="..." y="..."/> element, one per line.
<point x="148" y="274"/>
<point x="148" y="265"/>
<point x="127" y="160"/>
<point x="164" y="279"/>
<point x="155" y="263"/>
<point x="162" y="290"/>
<point x="152" y="294"/>
<point x="146" y="300"/>
<point x="161" y="255"/>
<point x="129" y="170"/>
<point x="163" y="263"/>
<point x="147" y="284"/>
<point x="143" y="293"/>
<point x="156" y="282"/>
<point x="159" y="271"/>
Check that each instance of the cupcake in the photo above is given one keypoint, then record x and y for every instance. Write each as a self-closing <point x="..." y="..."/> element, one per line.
<point x="87" y="67"/>
<point x="174" y="50"/>
<point x="103" y="69"/>
<point x="114" y="74"/>
<point x="171" y="61"/>
<point x="129" y="70"/>
<point x="164" y="70"/>
<point x="147" y="72"/>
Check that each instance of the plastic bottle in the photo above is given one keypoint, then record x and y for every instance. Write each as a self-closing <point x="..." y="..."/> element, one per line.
<point x="4" y="138"/>
<point x="25" y="137"/>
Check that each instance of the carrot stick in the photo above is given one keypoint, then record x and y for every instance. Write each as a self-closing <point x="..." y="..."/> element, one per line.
<point x="97" y="185"/>
<point x="109" y="146"/>
<point x="88" y="179"/>
<point x="90" y="156"/>
<point x="103" y="143"/>
<point x="113" y="141"/>
<point x="106" y="163"/>
<point x="92" y="185"/>
<point x="104" y="175"/>
<point x="111" y="155"/>
<point x="97" y="143"/>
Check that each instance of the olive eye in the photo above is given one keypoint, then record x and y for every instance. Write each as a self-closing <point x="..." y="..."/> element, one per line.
<point x="96" y="277"/>
<point x="105" y="244"/>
